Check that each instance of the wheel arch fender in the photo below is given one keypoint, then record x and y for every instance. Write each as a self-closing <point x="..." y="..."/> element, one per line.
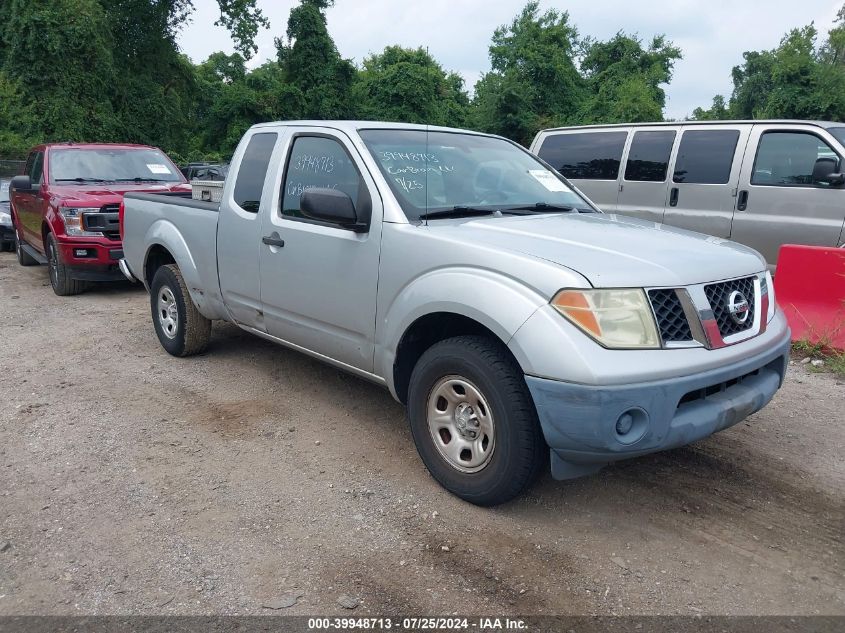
<point x="498" y="303"/>
<point x="163" y="237"/>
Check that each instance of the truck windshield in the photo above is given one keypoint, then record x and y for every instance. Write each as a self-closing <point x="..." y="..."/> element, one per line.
<point x="433" y="172"/>
<point x="107" y="164"/>
<point x="4" y="191"/>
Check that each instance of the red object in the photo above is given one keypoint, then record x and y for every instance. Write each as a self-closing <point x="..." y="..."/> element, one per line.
<point x="121" y="211"/>
<point x="810" y="288"/>
<point x="36" y="214"/>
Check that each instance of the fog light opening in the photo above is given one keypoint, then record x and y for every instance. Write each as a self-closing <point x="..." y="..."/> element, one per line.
<point x="631" y="426"/>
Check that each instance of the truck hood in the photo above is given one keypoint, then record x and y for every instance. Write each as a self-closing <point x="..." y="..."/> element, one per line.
<point x="614" y="251"/>
<point x="98" y="194"/>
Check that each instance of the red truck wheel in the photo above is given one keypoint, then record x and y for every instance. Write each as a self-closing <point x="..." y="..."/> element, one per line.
<point x="60" y="279"/>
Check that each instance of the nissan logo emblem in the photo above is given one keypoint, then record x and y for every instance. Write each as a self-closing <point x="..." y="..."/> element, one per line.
<point x="738" y="307"/>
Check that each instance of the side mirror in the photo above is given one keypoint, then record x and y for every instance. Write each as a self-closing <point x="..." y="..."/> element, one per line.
<point x="824" y="170"/>
<point x="20" y="183"/>
<point x="330" y="205"/>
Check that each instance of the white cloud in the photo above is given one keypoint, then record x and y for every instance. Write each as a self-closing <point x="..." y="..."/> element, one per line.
<point x="712" y="36"/>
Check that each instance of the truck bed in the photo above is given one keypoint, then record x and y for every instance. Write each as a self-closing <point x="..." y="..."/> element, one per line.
<point x="189" y="227"/>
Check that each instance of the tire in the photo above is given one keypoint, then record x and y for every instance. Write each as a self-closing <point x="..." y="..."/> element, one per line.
<point x="500" y="409"/>
<point x="60" y="279"/>
<point x="180" y="327"/>
<point x="23" y="258"/>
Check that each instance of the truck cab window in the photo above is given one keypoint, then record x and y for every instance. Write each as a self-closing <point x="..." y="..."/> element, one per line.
<point x="705" y="157"/>
<point x="253" y="171"/>
<point x="586" y="155"/>
<point x="37" y="171"/>
<point x="648" y="159"/>
<point x="789" y="159"/>
<point x="317" y="162"/>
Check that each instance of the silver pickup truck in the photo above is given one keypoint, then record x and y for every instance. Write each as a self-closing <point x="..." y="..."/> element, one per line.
<point x="514" y="319"/>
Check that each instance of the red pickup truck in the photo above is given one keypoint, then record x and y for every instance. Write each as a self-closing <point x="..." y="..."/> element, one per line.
<point x="65" y="204"/>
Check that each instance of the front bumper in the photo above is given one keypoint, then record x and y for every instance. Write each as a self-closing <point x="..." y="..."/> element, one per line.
<point x="7" y="234"/>
<point x="586" y="426"/>
<point x="91" y="259"/>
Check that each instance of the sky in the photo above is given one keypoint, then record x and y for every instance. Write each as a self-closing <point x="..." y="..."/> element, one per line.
<point x="712" y="34"/>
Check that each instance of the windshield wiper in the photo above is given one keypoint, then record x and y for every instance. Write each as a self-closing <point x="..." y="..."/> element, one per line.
<point x="139" y="179"/>
<point x="80" y="180"/>
<point x="541" y="207"/>
<point x="456" y="212"/>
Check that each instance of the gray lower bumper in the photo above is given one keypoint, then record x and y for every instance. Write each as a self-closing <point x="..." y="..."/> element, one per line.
<point x="124" y="268"/>
<point x="588" y="427"/>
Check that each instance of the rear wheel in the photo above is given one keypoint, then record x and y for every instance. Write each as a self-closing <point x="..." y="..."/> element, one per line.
<point x="24" y="259"/>
<point x="474" y="421"/>
<point x="60" y="279"/>
<point x="182" y="330"/>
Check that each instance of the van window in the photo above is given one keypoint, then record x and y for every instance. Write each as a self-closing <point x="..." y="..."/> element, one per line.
<point x="253" y="171"/>
<point x="788" y="158"/>
<point x="320" y="162"/>
<point x="585" y="155"/>
<point x="705" y="156"/>
<point x="648" y="159"/>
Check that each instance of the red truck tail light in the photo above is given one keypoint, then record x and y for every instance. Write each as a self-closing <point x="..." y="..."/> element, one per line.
<point x="120" y="211"/>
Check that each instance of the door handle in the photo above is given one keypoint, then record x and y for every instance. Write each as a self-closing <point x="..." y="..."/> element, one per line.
<point x="273" y="240"/>
<point x="742" y="201"/>
<point x="673" y="197"/>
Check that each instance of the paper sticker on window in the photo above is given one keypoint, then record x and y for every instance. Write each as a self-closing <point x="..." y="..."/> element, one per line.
<point x="548" y="180"/>
<point x="158" y="169"/>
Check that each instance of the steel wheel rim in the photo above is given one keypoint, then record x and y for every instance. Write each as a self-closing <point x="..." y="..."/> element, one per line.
<point x="167" y="312"/>
<point x="461" y="425"/>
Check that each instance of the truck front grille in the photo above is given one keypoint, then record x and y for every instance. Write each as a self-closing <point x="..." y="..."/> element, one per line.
<point x="671" y="319"/>
<point x="719" y="296"/>
<point x="111" y="227"/>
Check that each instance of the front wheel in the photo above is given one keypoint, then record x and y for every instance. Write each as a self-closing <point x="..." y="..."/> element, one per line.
<point x="182" y="330"/>
<point x="474" y="421"/>
<point x="60" y="279"/>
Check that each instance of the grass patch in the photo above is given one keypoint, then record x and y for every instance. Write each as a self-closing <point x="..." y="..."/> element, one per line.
<point x="834" y="362"/>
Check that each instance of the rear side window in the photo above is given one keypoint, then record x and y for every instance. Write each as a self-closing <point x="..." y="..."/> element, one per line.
<point x="317" y="162"/>
<point x="648" y="159"/>
<point x="253" y="171"/>
<point x="705" y="156"/>
<point x="789" y="158"/>
<point x="585" y="155"/>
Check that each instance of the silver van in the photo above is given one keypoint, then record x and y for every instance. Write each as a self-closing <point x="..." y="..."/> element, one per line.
<point x="760" y="183"/>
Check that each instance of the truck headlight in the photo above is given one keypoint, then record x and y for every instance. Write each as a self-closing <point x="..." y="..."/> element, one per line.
<point x="72" y="218"/>
<point x="5" y="218"/>
<point x="770" y="288"/>
<point x="618" y="319"/>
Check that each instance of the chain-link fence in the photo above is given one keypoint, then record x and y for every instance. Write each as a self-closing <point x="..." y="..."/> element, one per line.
<point x="9" y="168"/>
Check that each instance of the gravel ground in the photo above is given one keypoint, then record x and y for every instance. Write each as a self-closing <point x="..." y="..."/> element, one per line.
<point x="240" y="480"/>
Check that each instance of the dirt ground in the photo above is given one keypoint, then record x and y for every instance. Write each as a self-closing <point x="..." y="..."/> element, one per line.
<point x="134" y="482"/>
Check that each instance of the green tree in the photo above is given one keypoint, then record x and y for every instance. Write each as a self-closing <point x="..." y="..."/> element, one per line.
<point x="230" y="100"/>
<point x="624" y="79"/>
<point x="50" y="49"/>
<point x="312" y="63"/>
<point x="799" y="79"/>
<point x="718" y="111"/>
<point x="533" y="81"/>
<point x="402" y="84"/>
